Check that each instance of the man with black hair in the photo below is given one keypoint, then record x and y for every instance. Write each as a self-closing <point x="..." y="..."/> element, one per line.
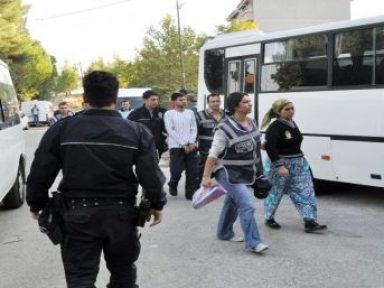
<point x="61" y="113"/>
<point x="182" y="130"/>
<point x="152" y="116"/>
<point x="99" y="186"/>
<point x="207" y="121"/>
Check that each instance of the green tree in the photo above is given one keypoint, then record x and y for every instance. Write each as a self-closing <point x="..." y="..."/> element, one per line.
<point x="67" y="80"/>
<point x="157" y="64"/>
<point x="237" y="25"/>
<point x="33" y="72"/>
<point x="98" y="64"/>
<point x="30" y="65"/>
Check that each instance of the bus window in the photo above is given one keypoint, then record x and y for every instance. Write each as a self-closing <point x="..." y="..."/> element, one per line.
<point x="250" y="73"/>
<point x="234" y="77"/>
<point x="353" y="58"/>
<point x="214" y="70"/>
<point x="295" y="63"/>
<point x="379" y="55"/>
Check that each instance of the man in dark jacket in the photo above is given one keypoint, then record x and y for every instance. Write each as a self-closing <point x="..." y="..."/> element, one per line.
<point x="97" y="156"/>
<point x="152" y="116"/>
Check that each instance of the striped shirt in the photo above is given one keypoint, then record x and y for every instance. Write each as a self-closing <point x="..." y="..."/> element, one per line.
<point x="181" y="127"/>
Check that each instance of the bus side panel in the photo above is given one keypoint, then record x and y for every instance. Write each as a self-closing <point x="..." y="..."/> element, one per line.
<point x="359" y="162"/>
<point x="314" y="148"/>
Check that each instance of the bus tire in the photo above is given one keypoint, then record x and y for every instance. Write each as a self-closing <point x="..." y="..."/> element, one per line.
<point x="320" y="186"/>
<point x="16" y="195"/>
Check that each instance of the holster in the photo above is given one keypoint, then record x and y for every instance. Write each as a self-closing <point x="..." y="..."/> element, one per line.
<point x="51" y="218"/>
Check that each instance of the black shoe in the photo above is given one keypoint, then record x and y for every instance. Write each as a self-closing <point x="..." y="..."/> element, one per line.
<point x="189" y="193"/>
<point x="313" y="227"/>
<point x="172" y="191"/>
<point x="271" y="223"/>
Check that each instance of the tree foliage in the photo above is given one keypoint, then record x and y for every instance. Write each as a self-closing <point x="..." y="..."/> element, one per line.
<point x="156" y="64"/>
<point x="32" y="69"/>
<point x="237" y="25"/>
<point x="67" y="80"/>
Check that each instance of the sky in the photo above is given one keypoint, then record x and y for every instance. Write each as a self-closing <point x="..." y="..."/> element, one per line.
<point x="80" y="31"/>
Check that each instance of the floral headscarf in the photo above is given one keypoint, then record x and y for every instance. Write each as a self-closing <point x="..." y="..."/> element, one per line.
<point x="273" y="112"/>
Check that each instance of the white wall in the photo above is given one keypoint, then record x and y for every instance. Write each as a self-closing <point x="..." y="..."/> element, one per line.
<point x="275" y="15"/>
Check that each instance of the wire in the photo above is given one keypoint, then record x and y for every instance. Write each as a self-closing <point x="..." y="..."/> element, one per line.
<point x="79" y="11"/>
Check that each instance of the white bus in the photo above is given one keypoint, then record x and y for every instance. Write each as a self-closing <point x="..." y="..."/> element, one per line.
<point x="12" y="148"/>
<point x="334" y="75"/>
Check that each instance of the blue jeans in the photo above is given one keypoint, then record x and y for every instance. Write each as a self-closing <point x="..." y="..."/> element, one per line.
<point x="238" y="202"/>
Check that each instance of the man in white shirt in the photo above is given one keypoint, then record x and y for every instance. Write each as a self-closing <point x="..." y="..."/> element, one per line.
<point x="180" y="124"/>
<point x="125" y="109"/>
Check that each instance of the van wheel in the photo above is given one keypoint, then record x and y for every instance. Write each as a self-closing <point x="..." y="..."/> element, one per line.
<point x="15" y="197"/>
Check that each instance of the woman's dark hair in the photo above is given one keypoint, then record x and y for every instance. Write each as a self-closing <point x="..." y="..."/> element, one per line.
<point x="100" y="88"/>
<point x="233" y="101"/>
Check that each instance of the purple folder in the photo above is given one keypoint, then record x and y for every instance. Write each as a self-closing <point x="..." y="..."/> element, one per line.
<point x="203" y="195"/>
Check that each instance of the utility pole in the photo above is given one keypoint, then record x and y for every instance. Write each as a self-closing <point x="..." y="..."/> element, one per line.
<point x="81" y="70"/>
<point x="181" y="54"/>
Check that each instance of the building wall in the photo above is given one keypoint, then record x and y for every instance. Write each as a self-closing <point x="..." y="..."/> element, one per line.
<point x="243" y="11"/>
<point x="274" y="15"/>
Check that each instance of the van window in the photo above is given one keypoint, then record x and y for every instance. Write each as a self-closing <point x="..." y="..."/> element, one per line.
<point x="9" y="114"/>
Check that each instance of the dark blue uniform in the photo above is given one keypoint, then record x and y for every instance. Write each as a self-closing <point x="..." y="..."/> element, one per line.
<point x="96" y="155"/>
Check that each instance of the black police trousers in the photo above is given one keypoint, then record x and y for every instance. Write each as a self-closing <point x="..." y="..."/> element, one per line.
<point x="89" y="231"/>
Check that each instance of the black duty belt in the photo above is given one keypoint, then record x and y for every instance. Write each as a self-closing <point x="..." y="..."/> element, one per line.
<point x="73" y="203"/>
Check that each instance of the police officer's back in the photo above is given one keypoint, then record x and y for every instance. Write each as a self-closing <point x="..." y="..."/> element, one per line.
<point x="97" y="153"/>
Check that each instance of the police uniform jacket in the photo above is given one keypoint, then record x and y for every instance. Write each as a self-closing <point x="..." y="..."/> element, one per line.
<point x="96" y="152"/>
<point x="154" y="122"/>
<point x="241" y="159"/>
<point x="206" y="127"/>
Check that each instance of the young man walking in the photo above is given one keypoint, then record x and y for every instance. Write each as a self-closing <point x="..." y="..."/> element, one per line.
<point x="152" y="116"/>
<point x="182" y="130"/>
<point x="207" y="121"/>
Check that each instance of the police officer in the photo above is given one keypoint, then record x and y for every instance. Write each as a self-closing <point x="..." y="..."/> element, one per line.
<point x="235" y="159"/>
<point x="152" y="116"/>
<point x="207" y="121"/>
<point x="97" y="156"/>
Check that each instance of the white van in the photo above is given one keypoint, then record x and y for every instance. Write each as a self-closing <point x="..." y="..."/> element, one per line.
<point x="12" y="147"/>
<point x="45" y="109"/>
<point x="133" y="95"/>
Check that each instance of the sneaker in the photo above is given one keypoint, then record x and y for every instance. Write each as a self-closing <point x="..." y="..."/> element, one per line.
<point x="235" y="239"/>
<point x="172" y="191"/>
<point x="313" y="227"/>
<point x="260" y="248"/>
<point x="271" y="223"/>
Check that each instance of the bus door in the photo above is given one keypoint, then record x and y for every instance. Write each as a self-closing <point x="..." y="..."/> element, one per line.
<point x="241" y="75"/>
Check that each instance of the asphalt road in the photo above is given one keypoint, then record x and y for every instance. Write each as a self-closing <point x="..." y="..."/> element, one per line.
<point x="183" y="251"/>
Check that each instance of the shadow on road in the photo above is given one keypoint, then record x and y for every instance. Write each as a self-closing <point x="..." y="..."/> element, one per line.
<point x="352" y="193"/>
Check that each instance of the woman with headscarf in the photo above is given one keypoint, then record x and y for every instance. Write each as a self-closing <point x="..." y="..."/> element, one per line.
<point x="233" y="158"/>
<point x="290" y="171"/>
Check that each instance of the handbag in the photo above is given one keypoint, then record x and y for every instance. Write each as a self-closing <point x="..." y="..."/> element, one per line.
<point x="261" y="187"/>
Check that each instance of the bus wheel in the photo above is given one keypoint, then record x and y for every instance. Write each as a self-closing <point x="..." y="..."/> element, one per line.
<point x="15" y="197"/>
<point x="320" y="186"/>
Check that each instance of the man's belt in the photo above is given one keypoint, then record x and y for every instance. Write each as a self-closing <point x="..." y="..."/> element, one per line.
<point x="73" y="203"/>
